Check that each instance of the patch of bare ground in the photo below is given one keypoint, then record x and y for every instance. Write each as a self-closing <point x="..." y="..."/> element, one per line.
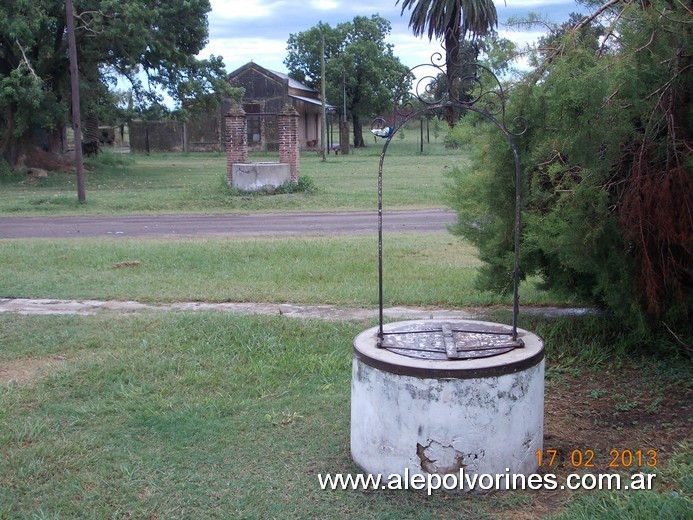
<point x="616" y="410"/>
<point x="40" y="159"/>
<point x="618" y="420"/>
<point x="23" y="372"/>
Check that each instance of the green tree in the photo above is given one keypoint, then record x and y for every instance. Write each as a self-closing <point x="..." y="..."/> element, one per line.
<point x="135" y="39"/>
<point x="457" y="23"/>
<point x="358" y="62"/>
<point x="607" y="168"/>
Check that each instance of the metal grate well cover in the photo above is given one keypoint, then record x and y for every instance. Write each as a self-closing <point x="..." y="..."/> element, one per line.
<point x="446" y="341"/>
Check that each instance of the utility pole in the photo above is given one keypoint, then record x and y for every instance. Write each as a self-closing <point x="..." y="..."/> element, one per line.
<point x="74" y="84"/>
<point x="323" y="129"/>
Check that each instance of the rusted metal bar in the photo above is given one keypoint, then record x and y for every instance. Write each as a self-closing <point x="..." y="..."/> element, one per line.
<point x="476" y="97"/>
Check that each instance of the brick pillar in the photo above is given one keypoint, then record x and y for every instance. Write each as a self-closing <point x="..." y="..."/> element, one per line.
<point x="236" y="139"/>
<point x="287" y="123"/>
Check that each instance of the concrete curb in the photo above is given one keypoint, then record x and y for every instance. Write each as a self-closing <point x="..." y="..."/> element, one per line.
<point x="44" y="306"/>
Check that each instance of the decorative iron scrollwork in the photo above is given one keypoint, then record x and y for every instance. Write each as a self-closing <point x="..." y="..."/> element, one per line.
<point x="456" y="87"/>
<point x="453" y="84"/>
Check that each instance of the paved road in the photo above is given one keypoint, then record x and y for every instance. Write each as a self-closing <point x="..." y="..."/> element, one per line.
<point x="253" y="224"/>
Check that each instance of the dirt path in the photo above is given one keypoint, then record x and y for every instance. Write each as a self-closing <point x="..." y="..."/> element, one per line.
<point x="236" y="224"/>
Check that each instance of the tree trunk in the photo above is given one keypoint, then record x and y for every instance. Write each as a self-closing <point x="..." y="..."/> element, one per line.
<point x="90" y="141"/>
<point x="358" y="132"/>
<point x="452" y="53"/>
<point x="15" y="150"/>
<point x="90" y="102"/>
<point x="9" y="144"/>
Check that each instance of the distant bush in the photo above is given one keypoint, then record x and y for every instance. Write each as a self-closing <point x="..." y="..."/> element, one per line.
<point x="305" y="184"/>
<point x="9" y="174"/>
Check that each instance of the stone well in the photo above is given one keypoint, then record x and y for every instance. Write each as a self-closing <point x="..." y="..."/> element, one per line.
<point x="418" y="408"/>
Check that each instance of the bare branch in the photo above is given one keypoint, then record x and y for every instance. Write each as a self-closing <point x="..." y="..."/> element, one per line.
<point x="609" y="34"/>
<point x="588" y="19"/>
<point x="26" y="61"/>
<point x="662" y="90"/>
<point x="690" y="11"/>
<point x="687" y="347"/>
<point x="647" y="44"/>
<point x="87" y="23"/>
<point x="608" y="100"/>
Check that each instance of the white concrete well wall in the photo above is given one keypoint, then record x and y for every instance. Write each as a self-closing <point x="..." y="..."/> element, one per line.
<point x="259" y="175"/>
<point x="420" y="416"/>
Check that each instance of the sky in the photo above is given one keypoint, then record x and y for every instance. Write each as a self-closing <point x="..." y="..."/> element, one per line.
<point x="257" y="30"/>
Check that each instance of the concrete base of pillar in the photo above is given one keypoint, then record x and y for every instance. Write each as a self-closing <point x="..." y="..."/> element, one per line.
<point x="259" y="176"/>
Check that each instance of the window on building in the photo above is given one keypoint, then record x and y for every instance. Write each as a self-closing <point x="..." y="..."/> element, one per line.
<point x="253" y="122"/>
<point x="253" y="130"/>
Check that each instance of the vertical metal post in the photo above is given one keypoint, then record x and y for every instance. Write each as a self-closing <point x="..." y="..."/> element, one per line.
<point x="421" y="135"/>
<point x="344" y="94"/>
<point x="380" y="247"/>
<point x="323" y="129"/>
<point x="518" y="229"/>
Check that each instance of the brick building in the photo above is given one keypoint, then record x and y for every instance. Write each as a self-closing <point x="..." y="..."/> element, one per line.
<point x="267" y="92"/>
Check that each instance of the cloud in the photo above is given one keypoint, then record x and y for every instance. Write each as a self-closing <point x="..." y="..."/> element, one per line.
<point x="243" y="50"/>
<point x="324" y="5"/>
<point x="245" y="30"/>
<point x="250" y="9"/>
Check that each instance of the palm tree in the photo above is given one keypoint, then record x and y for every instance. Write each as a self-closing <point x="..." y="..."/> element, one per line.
<point x="453" y="21"/>
<point x="457" y="17"/>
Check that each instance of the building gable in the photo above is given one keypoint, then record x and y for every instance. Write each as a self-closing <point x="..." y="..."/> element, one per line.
<point x="266" y="93"/>
<point x="264" y="84"/>
<point x="259" y="83"/>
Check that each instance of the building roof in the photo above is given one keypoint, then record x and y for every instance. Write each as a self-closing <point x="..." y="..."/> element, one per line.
<point x="295" y="84"/>
<point x="312" y="101"/>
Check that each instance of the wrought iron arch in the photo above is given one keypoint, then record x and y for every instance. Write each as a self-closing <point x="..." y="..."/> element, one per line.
<point x="470" y="86"/>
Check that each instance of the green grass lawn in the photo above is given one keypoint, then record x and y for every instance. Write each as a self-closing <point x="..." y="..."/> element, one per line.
<point x="195" y="183"/>
<point x="207" y="415"/>
<point x="211" y="415"/>
<point x="436" y="269"/>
